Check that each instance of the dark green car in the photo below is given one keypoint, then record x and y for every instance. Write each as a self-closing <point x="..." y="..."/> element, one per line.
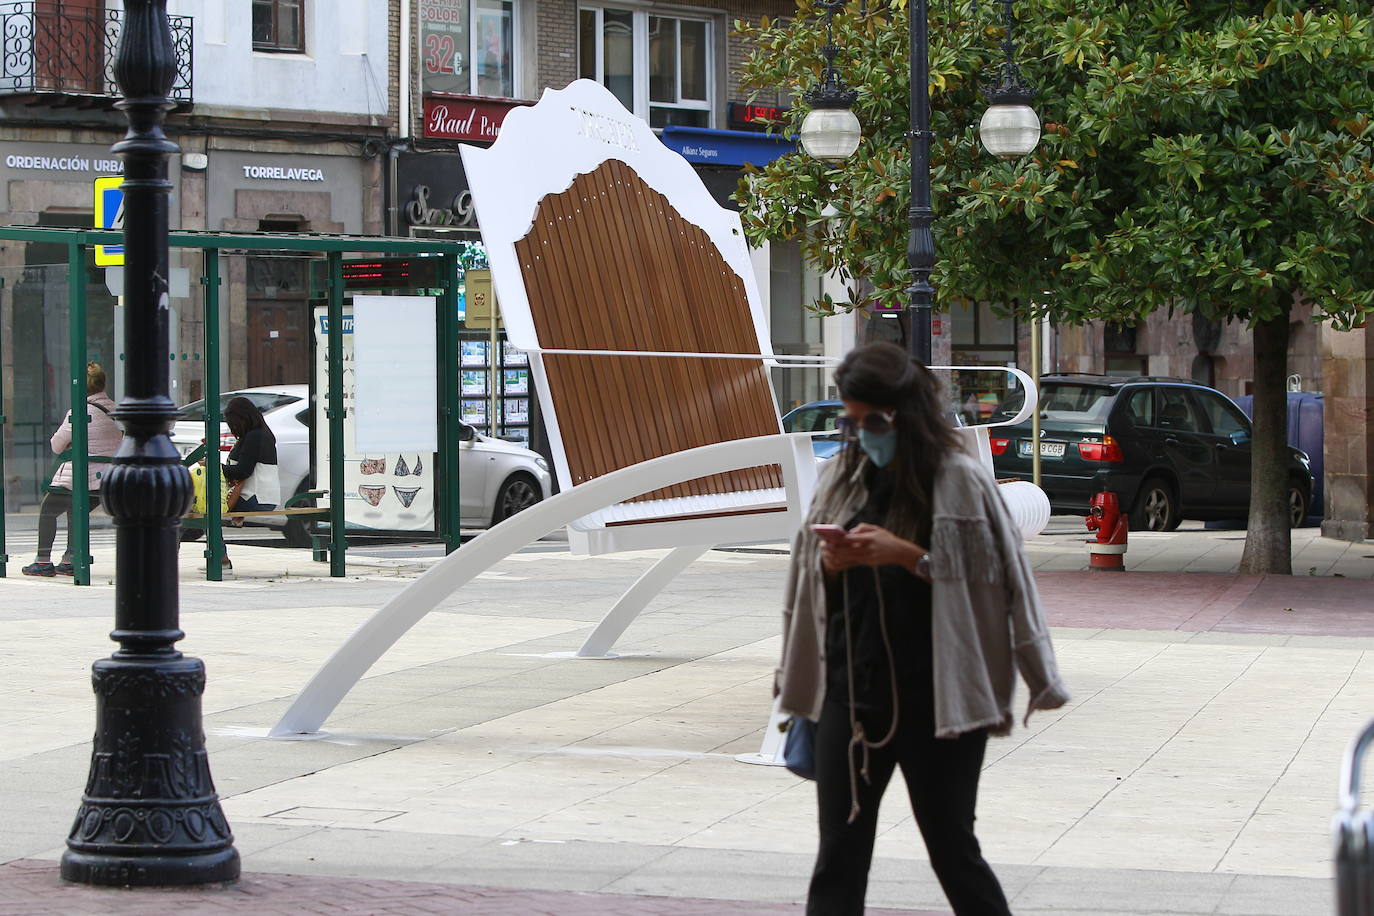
<point x="1169" y="448"/>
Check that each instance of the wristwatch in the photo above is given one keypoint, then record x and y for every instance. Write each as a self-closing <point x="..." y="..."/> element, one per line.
<point x="923" y="567"/>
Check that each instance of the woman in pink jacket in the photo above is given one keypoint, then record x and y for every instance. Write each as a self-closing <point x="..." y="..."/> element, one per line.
<point x="103" y="436"/>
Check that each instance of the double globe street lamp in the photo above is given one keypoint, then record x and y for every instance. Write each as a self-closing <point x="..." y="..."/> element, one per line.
<point x="1010" y="129"/>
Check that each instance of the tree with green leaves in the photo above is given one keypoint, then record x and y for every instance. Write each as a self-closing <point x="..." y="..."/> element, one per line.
<point x="1210" y="156"/>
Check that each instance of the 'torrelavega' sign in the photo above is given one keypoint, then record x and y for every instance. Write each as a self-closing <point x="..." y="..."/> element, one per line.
<point x="280" y="173"/>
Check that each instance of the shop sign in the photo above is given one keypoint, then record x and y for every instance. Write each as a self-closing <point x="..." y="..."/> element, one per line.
<point x="279" y="173"/>
<point x="459" y="211"/>
<point x="465" y="119"/>
<point x="754" y="117"/>
<point x="726" y="147"/>
<point x="66" y="164"/>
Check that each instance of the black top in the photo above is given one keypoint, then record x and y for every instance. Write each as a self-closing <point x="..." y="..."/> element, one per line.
<point x="257" y="446"/>
<point x="907" y="601"/>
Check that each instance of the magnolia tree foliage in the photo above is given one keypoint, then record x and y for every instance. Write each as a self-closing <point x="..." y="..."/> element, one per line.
<point x="1212" y="155"/>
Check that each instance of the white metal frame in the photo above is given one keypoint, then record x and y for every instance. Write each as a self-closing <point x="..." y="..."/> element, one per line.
<point x="381" y="631"/>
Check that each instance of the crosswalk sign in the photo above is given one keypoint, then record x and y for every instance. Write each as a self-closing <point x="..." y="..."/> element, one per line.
<point x="109" y="214"/>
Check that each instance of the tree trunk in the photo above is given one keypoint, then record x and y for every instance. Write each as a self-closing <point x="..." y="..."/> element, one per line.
<point x="1268" y="544"/>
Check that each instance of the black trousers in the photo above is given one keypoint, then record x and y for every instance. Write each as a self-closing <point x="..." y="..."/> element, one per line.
<point x="942" y="782"/>
<point x="55" y="503"/>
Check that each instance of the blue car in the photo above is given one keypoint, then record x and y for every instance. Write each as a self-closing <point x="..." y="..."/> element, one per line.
<point x="815" y="417"/>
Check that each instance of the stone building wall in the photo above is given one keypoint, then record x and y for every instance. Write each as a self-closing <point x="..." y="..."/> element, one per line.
<point x="1348" y="447"/>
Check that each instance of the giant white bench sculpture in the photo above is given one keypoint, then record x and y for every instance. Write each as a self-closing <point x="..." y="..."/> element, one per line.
<point x="633" y="293"/>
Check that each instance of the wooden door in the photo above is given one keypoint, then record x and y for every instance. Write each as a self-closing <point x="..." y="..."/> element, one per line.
<point x="69" y="46"/>
<point x="278" y="342"/>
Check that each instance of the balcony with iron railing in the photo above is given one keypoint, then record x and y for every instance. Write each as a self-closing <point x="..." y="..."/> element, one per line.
<point x="66" y="51"/>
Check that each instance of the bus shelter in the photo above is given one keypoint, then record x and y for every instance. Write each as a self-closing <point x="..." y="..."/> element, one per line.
<point x="213" y="247"/>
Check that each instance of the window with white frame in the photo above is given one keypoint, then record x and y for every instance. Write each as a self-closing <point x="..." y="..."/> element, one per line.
<point x="659" y="66"/>
<point x="467" y="47"/>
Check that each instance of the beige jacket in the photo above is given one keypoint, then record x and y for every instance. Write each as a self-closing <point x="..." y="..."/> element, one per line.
<point x="986" y="620"/>
<point x="103" y="436"/>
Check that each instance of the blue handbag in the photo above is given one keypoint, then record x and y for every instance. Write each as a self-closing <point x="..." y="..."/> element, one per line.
<point x="799" y="748"/>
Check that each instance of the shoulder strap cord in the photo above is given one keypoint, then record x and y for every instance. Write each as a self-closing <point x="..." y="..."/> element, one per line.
<point x="858" y="736"/>
<point x="101" y="408"/>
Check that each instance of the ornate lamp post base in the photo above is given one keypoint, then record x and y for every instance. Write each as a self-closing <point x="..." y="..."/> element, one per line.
<point x="150" y="814"/>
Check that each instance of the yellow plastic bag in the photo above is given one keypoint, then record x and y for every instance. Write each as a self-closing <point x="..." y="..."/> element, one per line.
<point x="199" y="479"/>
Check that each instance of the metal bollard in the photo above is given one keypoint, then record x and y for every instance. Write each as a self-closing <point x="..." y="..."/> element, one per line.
<point x="1352" y="830"/>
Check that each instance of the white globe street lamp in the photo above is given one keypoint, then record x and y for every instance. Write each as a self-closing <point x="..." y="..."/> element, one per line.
<point x="830" y="131"/>
<point x="830" y="134"/>
<point x="1010" y="128"/>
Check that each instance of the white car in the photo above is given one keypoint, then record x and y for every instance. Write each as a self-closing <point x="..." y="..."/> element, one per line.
<point x="496" y="478"/>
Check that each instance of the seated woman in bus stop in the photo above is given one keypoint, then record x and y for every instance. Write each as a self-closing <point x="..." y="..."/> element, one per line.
<point x="103" y="435"/>
<point x="251" y="467"/>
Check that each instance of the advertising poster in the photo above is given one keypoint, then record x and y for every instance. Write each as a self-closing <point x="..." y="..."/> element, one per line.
<point x="516" y="381"/>
<point x="472" y="353"/>
<point x="444" y="45"/>
<point x="517" y="410"/>
<point x="474" y="412"/>
<point x="383" y="491"/>
<point x="396" y="372"/>
<point x="473" y="382"/>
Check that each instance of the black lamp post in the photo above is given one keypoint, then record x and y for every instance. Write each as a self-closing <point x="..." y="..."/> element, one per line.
<point x="1009" y="129"/>
<point x="149" y="814"/>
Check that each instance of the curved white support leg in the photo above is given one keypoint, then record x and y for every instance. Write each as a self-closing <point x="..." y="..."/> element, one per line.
<point x="770" y="752"/>
<point x="599" y="643"/>
<point x="381" y="631"/>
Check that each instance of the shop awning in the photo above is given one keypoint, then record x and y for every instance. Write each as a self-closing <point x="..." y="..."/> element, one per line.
<point x="726" y="147"/>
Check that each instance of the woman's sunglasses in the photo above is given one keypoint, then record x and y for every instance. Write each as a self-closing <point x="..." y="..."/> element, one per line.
<point x="876" y="423"/>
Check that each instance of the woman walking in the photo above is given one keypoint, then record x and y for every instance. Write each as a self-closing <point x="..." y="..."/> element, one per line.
<point x="903" y="633"/>
<point x="103" y="436"/>
<point x="251" y="467"/>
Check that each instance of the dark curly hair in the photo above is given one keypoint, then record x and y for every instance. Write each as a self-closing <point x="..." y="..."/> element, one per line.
<point x="884" y="375"/>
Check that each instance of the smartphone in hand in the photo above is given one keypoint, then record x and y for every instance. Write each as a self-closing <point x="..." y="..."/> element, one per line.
<point x="831" y="534"/>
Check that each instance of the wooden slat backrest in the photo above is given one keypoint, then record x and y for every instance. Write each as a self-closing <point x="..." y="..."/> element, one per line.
<point x="609" y="264"/>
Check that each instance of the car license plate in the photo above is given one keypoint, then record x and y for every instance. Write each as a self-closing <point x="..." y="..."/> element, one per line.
<point x="1047" y="449"/>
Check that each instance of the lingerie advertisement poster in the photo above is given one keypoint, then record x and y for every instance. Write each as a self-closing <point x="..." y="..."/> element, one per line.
<point x="383" y="491"/>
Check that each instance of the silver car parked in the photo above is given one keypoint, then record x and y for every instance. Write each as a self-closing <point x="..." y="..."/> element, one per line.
<point x="496" y="478"/>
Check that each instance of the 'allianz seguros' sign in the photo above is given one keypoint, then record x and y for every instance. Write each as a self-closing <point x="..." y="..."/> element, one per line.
<point x="459" y="118"/>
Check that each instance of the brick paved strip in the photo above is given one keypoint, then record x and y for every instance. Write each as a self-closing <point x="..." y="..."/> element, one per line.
<point x="1207" y="602"/>
<point x="30" y="887"/>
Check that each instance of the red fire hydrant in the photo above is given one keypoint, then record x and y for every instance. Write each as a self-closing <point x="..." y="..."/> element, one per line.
<point x="1107" y="551"/>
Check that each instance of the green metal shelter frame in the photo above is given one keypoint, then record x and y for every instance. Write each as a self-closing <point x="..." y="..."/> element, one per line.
<point x="213" y="244"/>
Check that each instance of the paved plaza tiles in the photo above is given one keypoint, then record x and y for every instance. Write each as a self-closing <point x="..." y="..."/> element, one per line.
<point x="474" y="771"/>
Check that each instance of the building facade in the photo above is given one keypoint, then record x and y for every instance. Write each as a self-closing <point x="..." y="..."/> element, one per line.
<point x="282" y="117"/>
<point x="465" y="64"/>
